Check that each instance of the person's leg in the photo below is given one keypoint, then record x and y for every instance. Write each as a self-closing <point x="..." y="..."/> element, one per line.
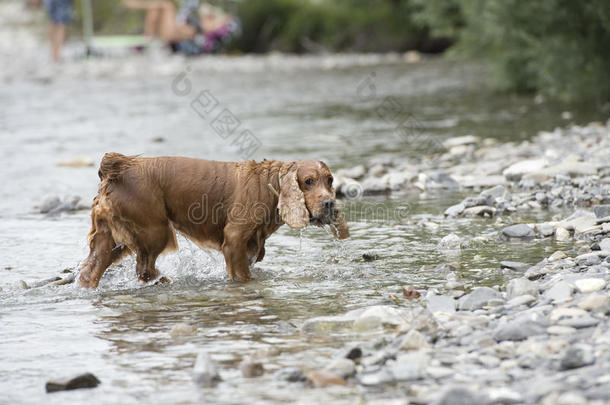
<point x="57" y="34"/>
<point x="151" y="21"/>
<point x="169" y="29"/>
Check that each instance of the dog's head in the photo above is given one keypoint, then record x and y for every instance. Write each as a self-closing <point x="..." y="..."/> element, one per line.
<point x="307" y="197"/>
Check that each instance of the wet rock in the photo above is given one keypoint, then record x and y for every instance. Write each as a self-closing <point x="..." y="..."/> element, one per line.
<point x="344" y="368"/>
<point x="517" y="170"/>
<point x="546" y="229"/>
<point x="494" y="192"/>
<point x="517" y="266"/>
<point x="49" y="203"/>
<point x="479" y="211"/>
<point x="518" y="330"/>
<point x="562" y="234"/>
<point x="370" y="257"/>
<point x="413" y="340"/>
<point x="290" y="375"/>
<point x="205" y="372"/>
<point x="579" y="355"/>
<point x="595" y="303"/>
<point x="438" y="180"/>
<point x="580" y="221"/>
<point x="455" y="210"/>
<point x="325" y="324"/>
<point x="440" y="303"/>
<point x="558" y="255"/>
<point x="379" y="315"/>
<point x="86" y="380"/>
<point x="588" y="259"/>
<point x="602" y="211"/>
<point x="460" y="140"/>
<point x="251" y="369"/>
<point x="183" y="329"/>
<point x="588" y="285"/>
<point x="521" y="286"/>
<point x="354" y="354"/>
<point x="478" y="298"/>
<point x="460" y="396"/>
<point x="518" y="231"/>
<point x="450" y="242"/>
<point x="560" y="292"/>
<point x="321" y="379"/>
<point x="355" y="172"/>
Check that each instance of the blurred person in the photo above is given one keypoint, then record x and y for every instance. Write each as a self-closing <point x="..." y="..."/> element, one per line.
<point x="60" y="14"/>
<point x="191" y="29"/>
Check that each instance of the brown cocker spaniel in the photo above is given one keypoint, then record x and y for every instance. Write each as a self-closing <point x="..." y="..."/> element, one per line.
<point x="232" y="207"/>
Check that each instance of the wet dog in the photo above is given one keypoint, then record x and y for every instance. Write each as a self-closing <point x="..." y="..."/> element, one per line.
<point x="232" y="207"/>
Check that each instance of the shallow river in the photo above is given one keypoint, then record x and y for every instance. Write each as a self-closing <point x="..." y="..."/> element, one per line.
<point x="315" y="107"/>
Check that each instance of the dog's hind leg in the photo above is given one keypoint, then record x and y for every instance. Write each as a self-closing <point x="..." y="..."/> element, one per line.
<point x="151" y="243"/>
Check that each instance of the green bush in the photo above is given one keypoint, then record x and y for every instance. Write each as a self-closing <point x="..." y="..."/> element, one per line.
<point x="560" y="48"/>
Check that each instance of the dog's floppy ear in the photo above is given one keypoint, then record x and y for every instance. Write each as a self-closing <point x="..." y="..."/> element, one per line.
<point x="339" y="226"/>
<point x="291" y="204"/>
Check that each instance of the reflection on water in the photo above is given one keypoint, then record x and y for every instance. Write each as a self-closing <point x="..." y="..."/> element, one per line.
<point x="121" y="332"/>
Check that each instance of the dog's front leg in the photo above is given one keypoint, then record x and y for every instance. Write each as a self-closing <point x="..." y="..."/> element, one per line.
<point x="234" y="249"/>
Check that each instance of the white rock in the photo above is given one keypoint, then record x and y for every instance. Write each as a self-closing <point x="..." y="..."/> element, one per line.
<point x="517" y="170"/>
<point x="450" y="242"/>
<point x="594" y="301"/>
<point x="562" y="234"/>
<point x="605" y="243"/>
<point x="587" y="285"/>
<point x="558" y="255"/>
<point x="414" y="340"/>
<point x="460" y="140"/>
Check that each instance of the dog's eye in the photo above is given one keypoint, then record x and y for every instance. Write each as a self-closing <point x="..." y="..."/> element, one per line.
<point x="330" y="181"/>
<point x="309" y="181"/>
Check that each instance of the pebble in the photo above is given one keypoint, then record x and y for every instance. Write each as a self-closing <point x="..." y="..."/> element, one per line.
<point x="205" y="372"/>
<point x="517" y="266"/>
<point x="588" y="285"/>
<point x="561" y="291"/>
<point x="517" y="330"/>
<point x="450" y="242"/>
<point x="413" y="340"/>
<point x="558" y="255"/>
<point x="521" y="286"/>
<point x="86" y="380"/>
<point x="595" y="303"/>
<point x="579" y="355"/>
<point x="562" y="234"/>
<point x="321" y="379"/>
<point x="342" y="367"/>
<point x="478" y="298"/>
<point x="602" y="211"/>
<point x="518" y="231"/>
<point x="604" y="244"/>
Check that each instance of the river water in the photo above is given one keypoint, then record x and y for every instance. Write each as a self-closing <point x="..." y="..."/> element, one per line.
<point x="297" y="107"/>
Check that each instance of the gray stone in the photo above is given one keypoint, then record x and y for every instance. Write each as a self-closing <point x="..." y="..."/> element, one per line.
<point x="546" y="229"/>
<point x="478" y="298"/>
<point x="494" y="192"/>
<point x="86" y="380"/>
<point x="477" y="201"/>
<point x="518" y="231"/>
<point x="572" y="398"/>
<point x="582" y="322"/>
<point x="517" y="170"/>
<point x="460" y="396"/>
<point x="520" y="300"/>
<point x="521" y="286"/>
<point x="602" y="211"/>
<point x="479" y="211"/>
<point x="517" y="266"/>
<point x="558" y="255"/>
<point x="455" y="210"/>
<point x="49" y="204"/>
<point x="518" y="330"/>
<point x="205" y="371"/>
<point x="290" y="374"/>
<point x="588" y="259"/>
<point x="604" y="244"/>
<point x="377" y="377"/>
<point x="413" y="340"/>
<point x="440" y="303"/>
<point x="561" y="291"/>
<point x="579" y="355"/>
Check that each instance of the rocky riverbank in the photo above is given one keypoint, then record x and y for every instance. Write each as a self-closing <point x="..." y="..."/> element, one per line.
<point x="543" y="336"/>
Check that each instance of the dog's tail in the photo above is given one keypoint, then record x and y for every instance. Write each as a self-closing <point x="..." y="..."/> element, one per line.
<point x="113" y="165"/>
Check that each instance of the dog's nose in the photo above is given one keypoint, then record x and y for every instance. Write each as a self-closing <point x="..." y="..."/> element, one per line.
<point x="328" y="204"/>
